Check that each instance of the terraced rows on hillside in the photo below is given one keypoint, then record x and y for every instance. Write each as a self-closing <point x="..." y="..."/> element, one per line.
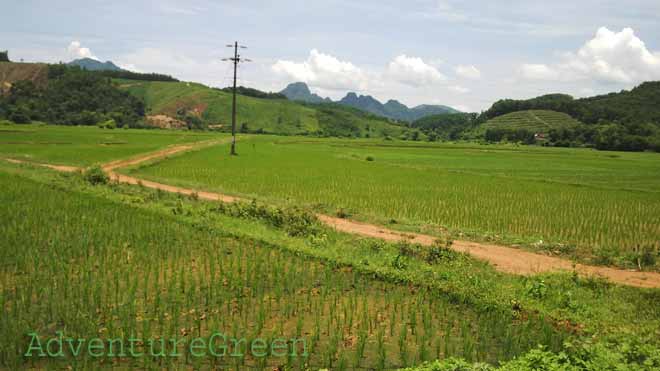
<point x="540" y="121"/>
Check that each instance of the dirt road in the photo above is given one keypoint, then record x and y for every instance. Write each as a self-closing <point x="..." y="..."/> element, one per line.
<point x="504" y="259"/>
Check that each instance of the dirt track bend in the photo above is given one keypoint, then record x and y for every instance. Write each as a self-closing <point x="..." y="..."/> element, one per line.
<point x="504" y="259"/>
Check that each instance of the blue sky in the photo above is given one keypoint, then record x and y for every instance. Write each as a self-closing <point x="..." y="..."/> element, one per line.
<point x="466" y="54"/>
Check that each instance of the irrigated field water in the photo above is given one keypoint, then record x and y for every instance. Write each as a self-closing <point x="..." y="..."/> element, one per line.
<point x="92" y="268"/>
<point x="567" y="198"/>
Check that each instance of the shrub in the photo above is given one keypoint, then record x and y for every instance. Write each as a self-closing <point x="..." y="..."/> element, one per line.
<point x="95" y="175"/>
<point x="440" y="251"/>
<point x="370" y="158"/>
<point x="109" y="124"/>
<point x="295" y="221"/>
<point x="19" y="117"/>
<point x="574" y="357"/>
<point x="537" y="289"/>
<point x="342" y="214"/>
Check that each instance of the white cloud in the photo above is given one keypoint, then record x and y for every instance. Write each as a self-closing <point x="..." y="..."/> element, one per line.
<point x="611" y="57"/>
<point x="468" y="72"/>
<point x="76" y="51"/>
<point x="459" y="89"/>
<point x="538" y="72"/>
<point x="128" y="67"/>
<point x="413" y="71"/>
<point x="462" y="108"/>
<point x="178" y="63"/>
<point x="324" y="71"/>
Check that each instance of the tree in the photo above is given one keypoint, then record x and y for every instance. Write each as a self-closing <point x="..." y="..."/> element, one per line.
<point x="19" y="116"/>
<point x="4" y="56"/>
<point x="244" y="128"/>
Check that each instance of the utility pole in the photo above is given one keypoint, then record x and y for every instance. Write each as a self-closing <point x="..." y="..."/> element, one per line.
<point x="236" y="60"/>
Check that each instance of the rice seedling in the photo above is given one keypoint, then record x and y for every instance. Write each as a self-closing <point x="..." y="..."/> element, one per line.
<point x="573" y="202"/>
<point x="149" y="277"/>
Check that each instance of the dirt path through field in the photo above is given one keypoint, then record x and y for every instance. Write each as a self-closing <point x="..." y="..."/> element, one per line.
<point x="504" y="259"/>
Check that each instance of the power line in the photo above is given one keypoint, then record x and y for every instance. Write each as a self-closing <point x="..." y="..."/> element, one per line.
<point x="236" y="60"/>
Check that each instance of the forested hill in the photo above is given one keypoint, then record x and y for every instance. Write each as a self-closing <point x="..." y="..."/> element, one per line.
<point x="70" y="95"/>
<point x="639" y="105"/>
<point x="66" y="95"/>
<point x="258" y="112"/>
<point x="624" y="121"/>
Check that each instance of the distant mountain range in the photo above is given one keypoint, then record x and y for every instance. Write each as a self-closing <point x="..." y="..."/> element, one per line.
<point x="299" y="91"/>
<point x="393" y="109"/>
<point x="94" y="65"/>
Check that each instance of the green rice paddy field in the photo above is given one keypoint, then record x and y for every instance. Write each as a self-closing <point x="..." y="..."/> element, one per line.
<point x="93" y="268"/>
<point x="85" y="146"/>
<point x="119" y="262"/>
<point x="602" y="206"/>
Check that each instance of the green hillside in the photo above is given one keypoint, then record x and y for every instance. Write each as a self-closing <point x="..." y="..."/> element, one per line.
<point x="537" y="121"/>
<point x="277" y="116"/>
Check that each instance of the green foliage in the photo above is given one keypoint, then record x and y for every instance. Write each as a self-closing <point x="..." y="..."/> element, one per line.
<point x="537" y="289"/>
<point x="20" y="115"/>
<point x="72" y="97"/>
<point x="510" y="135"/>
<point x="574" y="357"/>
<point x="441" y="252"/>
<point x="449" y="126"/>
<point x="629" y="120"/>
<point x="274" y="116"/>
<point x="4" y="56"/>
<point x="95" y="175"/>
<point x="536" y="121"/>
<point x="337" y="123"/>
<point x="136" y="76"/>
<point x="295" y="221"/>
<point x="109" y="124"/>
<point x="254" y="93"/>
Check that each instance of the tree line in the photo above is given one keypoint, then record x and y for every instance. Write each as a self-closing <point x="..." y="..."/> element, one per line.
<point x="624" y="121"/>
<point x="129" y="75"/>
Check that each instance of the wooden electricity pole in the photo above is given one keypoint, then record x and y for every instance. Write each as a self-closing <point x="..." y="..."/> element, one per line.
<point x="236" y="60"/>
